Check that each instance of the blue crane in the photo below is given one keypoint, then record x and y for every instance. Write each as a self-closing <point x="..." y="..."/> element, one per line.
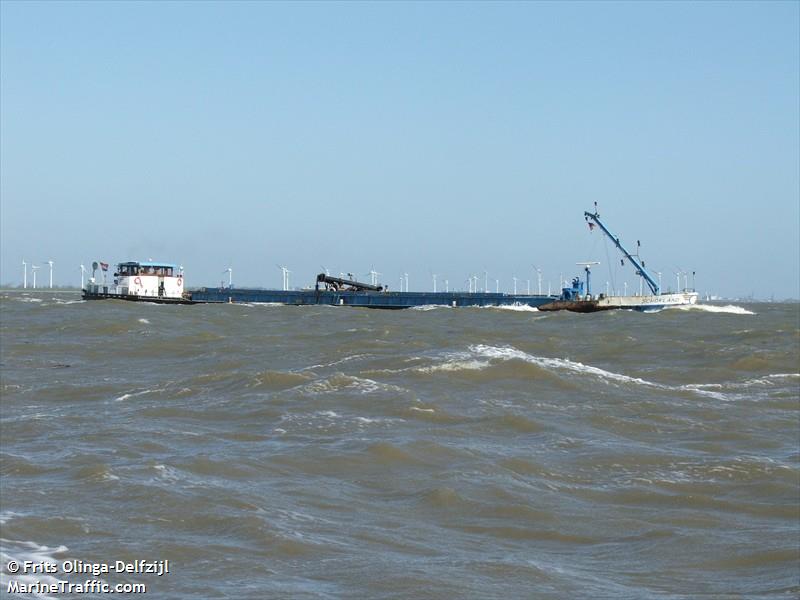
<point x="640" y="270"/>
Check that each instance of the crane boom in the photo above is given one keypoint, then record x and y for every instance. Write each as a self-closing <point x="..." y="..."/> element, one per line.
<point x="654" y="287"/>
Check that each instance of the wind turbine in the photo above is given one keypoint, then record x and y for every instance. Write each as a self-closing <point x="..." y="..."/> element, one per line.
<point x="515" y="285"/>
<point x="446" y="286"/>
<point x="34" y="268"/>
<point x="496" y="286"/>
<point x="434" y="282"/>
<point x="373" y="275"/>
<point x="406" y="278"/>
<point x="229" y="271"/>
<point x="83" y="271"/>
<point x="539" y="277"/>
<point x="485" y="282"/>
<point x="24" y="274"/>
<point x="50" y="262"/>
<point x="285" y="272"/>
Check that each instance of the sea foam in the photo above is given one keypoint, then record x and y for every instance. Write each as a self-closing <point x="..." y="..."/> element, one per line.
<point x="729" y="309"/>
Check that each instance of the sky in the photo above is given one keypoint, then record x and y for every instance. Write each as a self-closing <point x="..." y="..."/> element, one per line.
<point x="422" y="138"/>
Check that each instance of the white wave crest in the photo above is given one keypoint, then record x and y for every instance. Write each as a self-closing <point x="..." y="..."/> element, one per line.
<point x="141" y="393"/>
<point x="336" y="362"/>
<point x="341" y="382"/>
<point x="515" y="307"/>
<point x="456" y="365"/>
<point x="429" y="307"/>
<point x="729" y="309"/>
<point x="556" y="364"/>
<point x="21" y="551"/>
<point x="7" y="515"/>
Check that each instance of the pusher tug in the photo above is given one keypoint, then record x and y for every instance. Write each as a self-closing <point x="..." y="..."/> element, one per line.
<point x="139" y="281"/>
<point x="576" y="300"/>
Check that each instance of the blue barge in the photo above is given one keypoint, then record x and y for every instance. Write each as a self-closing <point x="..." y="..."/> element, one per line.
<point x="336" y="291"/>
<point x="365" y="298"/>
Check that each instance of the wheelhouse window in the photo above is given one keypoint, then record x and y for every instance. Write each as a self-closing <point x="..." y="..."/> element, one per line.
<point x="132" y="270"/>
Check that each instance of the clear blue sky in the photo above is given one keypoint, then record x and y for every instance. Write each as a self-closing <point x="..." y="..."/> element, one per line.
<point x="446" y="138"/>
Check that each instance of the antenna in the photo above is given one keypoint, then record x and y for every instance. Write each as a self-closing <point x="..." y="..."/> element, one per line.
<point x="587" y="267"/>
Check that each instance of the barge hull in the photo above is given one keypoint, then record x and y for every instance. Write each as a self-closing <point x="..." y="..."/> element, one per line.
<point x="638" y="303"/>
<point x="366" y="299"/>
<point x="135" y="298"/>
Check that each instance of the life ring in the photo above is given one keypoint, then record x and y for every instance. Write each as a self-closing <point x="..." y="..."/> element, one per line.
<point x="138" y="281"/>
<point x="180" y="281"/>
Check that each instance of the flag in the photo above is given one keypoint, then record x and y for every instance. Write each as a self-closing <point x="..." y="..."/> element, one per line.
<point x="104" y="266"/>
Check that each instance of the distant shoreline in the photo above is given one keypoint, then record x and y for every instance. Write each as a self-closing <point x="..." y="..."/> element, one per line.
<point x="71" y="290"/>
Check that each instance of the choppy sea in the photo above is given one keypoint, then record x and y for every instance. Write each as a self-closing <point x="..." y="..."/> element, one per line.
<point x="326" y="452"/>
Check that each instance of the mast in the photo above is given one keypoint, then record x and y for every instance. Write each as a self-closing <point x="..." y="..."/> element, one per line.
<point x="595" y="217"/>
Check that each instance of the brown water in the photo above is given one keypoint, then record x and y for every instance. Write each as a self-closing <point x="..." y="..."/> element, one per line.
<point x="318" y="452"/>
